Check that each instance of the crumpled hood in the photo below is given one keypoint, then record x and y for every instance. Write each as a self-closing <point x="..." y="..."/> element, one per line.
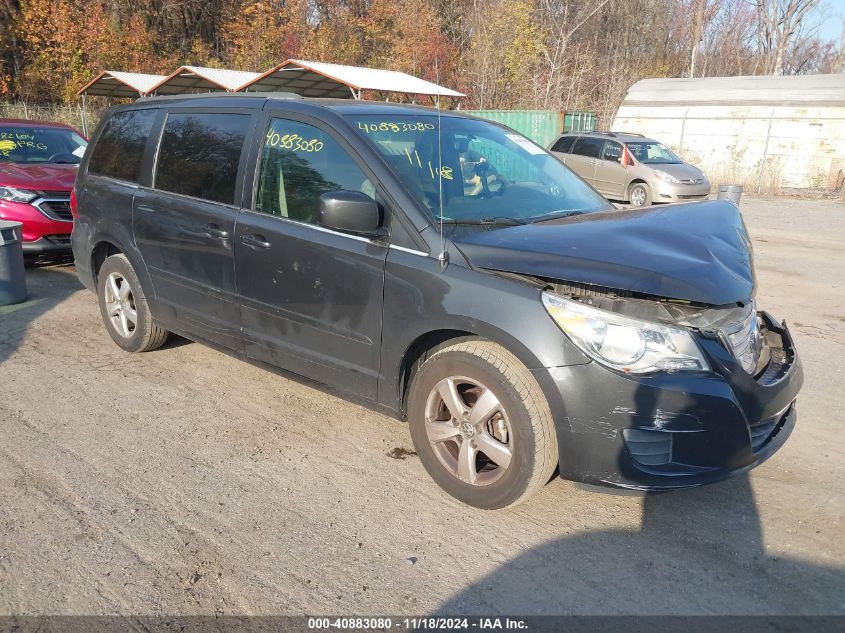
<point x="48" y="177"/>
<point x="697" y="251"/>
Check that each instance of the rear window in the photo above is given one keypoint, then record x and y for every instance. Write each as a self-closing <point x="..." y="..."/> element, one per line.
<point x="199" y="155"/>
<point x="590" y="147"/>
<point x="564" y="144"/>
<point x="119" y="150"/>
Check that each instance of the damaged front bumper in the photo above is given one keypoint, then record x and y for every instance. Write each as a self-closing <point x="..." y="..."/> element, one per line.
<point x="674" y="430"/>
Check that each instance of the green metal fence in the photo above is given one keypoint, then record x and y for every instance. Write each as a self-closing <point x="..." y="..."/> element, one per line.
<point x="541" y="126"/>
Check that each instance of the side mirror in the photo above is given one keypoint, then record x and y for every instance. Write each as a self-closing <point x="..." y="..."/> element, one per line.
<point x="350" y="212"/>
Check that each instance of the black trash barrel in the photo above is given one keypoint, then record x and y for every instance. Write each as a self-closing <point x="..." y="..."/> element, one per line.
<point x="730" y="192"/>
<point x="12" y="274"/>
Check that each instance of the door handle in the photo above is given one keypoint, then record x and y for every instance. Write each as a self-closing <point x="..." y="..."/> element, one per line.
<point x="145" y="208"/>
<point x="212" y="230"/>
<point x="255" y="241"/>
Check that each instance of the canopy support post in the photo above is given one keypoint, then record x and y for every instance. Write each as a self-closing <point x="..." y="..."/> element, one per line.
<point x="84" y="118"/>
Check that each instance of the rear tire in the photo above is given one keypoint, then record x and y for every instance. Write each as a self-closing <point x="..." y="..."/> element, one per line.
<point x="124" y="308"/>
<point x="639" y="194"/>
<point x="481" y="424"/>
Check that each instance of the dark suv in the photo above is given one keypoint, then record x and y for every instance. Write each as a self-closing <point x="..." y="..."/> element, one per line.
<point x="448" y="271"/>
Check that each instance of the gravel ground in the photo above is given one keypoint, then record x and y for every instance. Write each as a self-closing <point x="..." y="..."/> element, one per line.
<point x="185" y="481"/>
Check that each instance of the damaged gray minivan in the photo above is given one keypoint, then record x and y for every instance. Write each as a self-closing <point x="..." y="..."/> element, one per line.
<point x="448" y="271"/>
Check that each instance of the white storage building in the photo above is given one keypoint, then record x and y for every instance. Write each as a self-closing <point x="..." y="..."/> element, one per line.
<point x="763" y="132"/>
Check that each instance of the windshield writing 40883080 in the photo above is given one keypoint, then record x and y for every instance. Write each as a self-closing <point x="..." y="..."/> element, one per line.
<point x="465" y="170"/>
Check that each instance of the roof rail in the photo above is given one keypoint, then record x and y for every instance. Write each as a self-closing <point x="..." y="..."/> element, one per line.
<point x="628" y="134"/>
<point x="225" y="95"/>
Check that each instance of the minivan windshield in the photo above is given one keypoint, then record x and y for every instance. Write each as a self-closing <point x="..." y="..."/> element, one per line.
<point x="653" y="153"/>
<point x="24" y="144"/>
<point x="487" y="173"/>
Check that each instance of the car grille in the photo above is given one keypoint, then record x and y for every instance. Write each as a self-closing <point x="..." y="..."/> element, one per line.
<point x="696" y="197"/>
<point x="744" y="339"/>
<point x="55" y="205"/>
<point x="56" y="209"/>
<point x="60" y="240"/>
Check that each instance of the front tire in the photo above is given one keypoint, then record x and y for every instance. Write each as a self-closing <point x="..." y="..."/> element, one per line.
<point x="481" y="425"/>
<point x="124" y="308"/>
<point x="639" y="195"/>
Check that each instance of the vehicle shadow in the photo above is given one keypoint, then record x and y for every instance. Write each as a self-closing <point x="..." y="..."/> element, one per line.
<point x="49" y="282"/>
<point x="698" y="551"/>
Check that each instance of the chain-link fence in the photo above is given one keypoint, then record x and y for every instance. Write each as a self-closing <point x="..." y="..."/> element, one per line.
<point x="83" y="120"/>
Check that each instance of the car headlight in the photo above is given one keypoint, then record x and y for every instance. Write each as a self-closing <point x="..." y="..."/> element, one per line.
<point x="667" y="177"/>
<point x="623" y="343"/>
<point x="17" y="195"/>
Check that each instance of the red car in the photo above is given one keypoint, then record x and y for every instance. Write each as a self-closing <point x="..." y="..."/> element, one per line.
<point x="38" y="163"/>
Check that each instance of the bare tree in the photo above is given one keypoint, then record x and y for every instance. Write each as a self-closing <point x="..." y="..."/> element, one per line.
<point x="778" y="21"/>
<point x="697" y="34"/>
<point x="563" y="22"/>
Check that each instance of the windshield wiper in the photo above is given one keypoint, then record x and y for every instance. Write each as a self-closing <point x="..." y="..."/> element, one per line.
<point x="499" y="221"/>
<point x="555" y="216"/>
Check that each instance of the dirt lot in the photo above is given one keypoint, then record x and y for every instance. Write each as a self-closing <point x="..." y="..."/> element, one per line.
<point x="188" y="481"/>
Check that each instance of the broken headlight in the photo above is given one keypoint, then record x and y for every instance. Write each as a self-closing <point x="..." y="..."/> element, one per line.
<point x="623" y="343"/>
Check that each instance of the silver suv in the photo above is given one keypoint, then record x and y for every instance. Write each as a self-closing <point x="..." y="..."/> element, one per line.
<point x="631" y="167"/>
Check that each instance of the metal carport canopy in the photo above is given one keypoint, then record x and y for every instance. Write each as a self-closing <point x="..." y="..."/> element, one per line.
<point x="318" y="79"/>
<point x="190" y="79"/>
<point x="113" y="83"/>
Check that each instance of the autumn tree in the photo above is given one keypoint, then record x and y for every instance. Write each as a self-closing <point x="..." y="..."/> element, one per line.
<point x="560" y="54"/>
<point x="68" y="41"/>
<point x="261" y="33"/>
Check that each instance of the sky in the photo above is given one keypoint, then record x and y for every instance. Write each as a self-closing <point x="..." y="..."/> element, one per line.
<point x="831" y="28"/>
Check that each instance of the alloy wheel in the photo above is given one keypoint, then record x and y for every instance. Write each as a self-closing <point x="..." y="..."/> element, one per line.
<point x="638" y="196"/>
<point x="469" y="430"/>
<point x="120" y="305"/>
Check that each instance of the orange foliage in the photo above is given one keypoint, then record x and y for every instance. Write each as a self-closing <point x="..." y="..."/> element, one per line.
<point x="68" y="41"/>
<point x="259" y="35"/>
<point x="64" y="43"/>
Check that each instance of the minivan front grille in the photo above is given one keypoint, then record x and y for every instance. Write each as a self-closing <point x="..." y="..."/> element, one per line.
<point x="744" y="339"/>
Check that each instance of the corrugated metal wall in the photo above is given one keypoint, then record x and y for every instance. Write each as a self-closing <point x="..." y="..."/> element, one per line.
<point x="541" y="126"/>
<point x="762" y="147"/>
<point x="763" y="132"/>
<point x="579" y="122"/>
